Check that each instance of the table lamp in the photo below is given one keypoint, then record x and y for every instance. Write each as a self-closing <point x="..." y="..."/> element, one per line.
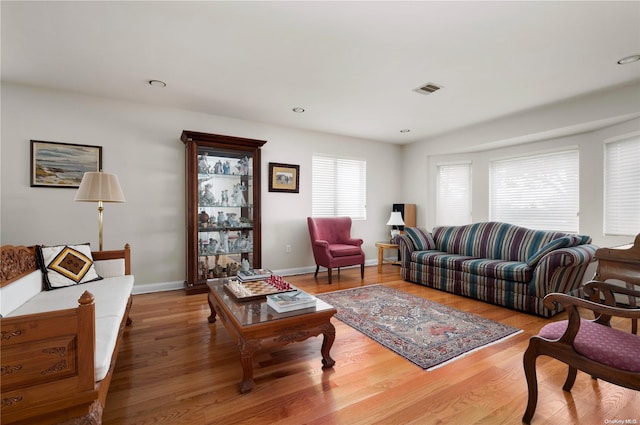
<point x="99" y="187"/>
<point x="395" y="220"/>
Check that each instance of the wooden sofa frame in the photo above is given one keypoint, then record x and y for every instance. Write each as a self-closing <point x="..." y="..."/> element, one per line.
<point x="48" y="365"/>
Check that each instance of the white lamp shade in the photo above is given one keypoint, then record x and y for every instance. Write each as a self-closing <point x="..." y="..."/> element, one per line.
<point x="395" y="219"/>
<point x="98" y="186"/>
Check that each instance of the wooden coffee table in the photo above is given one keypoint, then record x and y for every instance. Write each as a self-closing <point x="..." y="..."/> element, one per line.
<point x="254" y="326"/>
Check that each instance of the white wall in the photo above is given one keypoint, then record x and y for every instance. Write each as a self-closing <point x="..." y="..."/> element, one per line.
<point x="141" y="144"/>
<point x="584" y="122"/>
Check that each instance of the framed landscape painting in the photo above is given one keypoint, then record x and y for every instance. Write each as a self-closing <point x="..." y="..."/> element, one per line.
<point x="56" y="164"/>
<point x="284" y="178"/>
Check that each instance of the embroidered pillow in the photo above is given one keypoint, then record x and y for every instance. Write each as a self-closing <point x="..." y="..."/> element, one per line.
<point x="563" y="242"/>
<point x="66" y="265"/>
<point x="422" y="240"/>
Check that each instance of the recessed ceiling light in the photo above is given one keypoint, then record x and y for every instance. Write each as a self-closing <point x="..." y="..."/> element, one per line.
<point x="298" y="110"/>
<point x="405" y="130"/>
<point x="629" y="59"/>
<point x="157" y="83"/>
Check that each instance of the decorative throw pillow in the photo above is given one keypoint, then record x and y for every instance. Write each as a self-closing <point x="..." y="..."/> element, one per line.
<point x="422" y="240"/>
<point x="66" y="265"/>
<point x="563" y="242"/>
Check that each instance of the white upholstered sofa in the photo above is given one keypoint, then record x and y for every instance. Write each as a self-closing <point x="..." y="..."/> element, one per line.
<point x="59" y="346"/>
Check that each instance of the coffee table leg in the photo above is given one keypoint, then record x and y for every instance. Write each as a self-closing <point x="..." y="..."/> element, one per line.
<point x="212" y="318"/>
<point x="247" y="349"/>
<point x="329" y="333"/>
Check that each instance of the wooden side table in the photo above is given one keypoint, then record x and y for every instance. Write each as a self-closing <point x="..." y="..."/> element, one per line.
<point x="381" y="247"/>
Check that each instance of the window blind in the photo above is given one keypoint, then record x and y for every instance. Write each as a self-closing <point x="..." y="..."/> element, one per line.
<point x="453" y="198"/>
<point x="537" y="191"/>
<point x="622" y="187"/>
<point x="338" y="187"/>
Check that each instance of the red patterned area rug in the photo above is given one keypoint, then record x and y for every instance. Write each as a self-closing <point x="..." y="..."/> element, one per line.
<point x="425" y="332"/>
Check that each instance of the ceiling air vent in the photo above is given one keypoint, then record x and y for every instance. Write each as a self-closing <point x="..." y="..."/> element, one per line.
<point x="428" y="88"/>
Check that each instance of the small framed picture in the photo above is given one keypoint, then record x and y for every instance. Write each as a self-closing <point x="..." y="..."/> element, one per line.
<point x="56" y="164"/>
<point x="284" y="178"/>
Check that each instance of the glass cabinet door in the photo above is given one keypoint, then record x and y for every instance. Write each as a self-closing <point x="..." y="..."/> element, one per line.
<point x="223" y="206"/>
<point x="225" y="218"/>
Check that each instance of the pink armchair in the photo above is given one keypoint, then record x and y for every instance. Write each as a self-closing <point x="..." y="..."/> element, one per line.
<point x="333" y="245"/>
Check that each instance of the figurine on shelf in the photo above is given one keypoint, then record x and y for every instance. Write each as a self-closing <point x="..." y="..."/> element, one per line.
<point x="244" y="265"/>
<point x="217" y="168"/>
<point x="243" y="166"/>
<point x="231" y="220"/>
<point x="226" y="168"/>
<point x="232" y="269"/>
<point x="203" y="270"/>
<point x="224" y="241"/>
<point x="203" y="217"/>
<point x="238" y="195"/>
<point x="220" y="218"/>
<point x="225" y="198"/>
<point x="203" y="164"/>
<point x="212" y="246"/>
<point x="246" y="244"/>
<point x="206" y="197"/>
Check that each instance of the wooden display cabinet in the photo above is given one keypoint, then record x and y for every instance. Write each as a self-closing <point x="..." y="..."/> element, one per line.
<point x="223" y="206"/>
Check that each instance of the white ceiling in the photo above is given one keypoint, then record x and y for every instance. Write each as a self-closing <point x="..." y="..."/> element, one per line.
<point x="352" y="65"/>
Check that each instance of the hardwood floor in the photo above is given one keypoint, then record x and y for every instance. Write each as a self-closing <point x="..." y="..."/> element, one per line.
<point x="176" y="368"/>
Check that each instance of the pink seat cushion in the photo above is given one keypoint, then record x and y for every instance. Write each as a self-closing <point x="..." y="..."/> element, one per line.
<point x="602" y="344"/>
<point x="341" y="250"/>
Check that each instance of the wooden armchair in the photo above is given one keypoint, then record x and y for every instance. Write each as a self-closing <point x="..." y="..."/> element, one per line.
<point x="591" y="346"/>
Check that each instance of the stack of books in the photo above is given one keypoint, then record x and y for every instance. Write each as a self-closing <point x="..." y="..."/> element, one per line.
<point x="290" y="301"/>
<point x="253" y="274"/>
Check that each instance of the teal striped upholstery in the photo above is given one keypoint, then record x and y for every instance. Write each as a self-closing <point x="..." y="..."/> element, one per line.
<point x="421" y="238"/>
<point x="496" y="241"/>
<point x="499" y="263"/>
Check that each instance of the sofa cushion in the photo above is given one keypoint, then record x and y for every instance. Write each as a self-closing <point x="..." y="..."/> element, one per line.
<point x="66" y="265"/>
<point x="342" y="250"/>
<point x="563" y="242"/>
<point x="496" y="269"/>
<point x="422" y="240"/>
<point x="515" y="271"/>
<point x="20" y="291"/>
<point x="110" y="268"/>
<point x="439" y="259"/>
<point x="110" y="298"/>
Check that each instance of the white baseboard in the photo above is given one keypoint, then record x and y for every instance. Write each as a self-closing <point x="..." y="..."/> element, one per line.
<point x="149" y="288"/>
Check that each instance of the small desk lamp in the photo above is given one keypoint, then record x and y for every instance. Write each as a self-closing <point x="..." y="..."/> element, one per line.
<point x="395" y="220"/>
<point x="99" y="187"/>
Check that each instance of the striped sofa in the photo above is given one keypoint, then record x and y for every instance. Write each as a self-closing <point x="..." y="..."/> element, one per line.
<point x="496" y="262"/>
